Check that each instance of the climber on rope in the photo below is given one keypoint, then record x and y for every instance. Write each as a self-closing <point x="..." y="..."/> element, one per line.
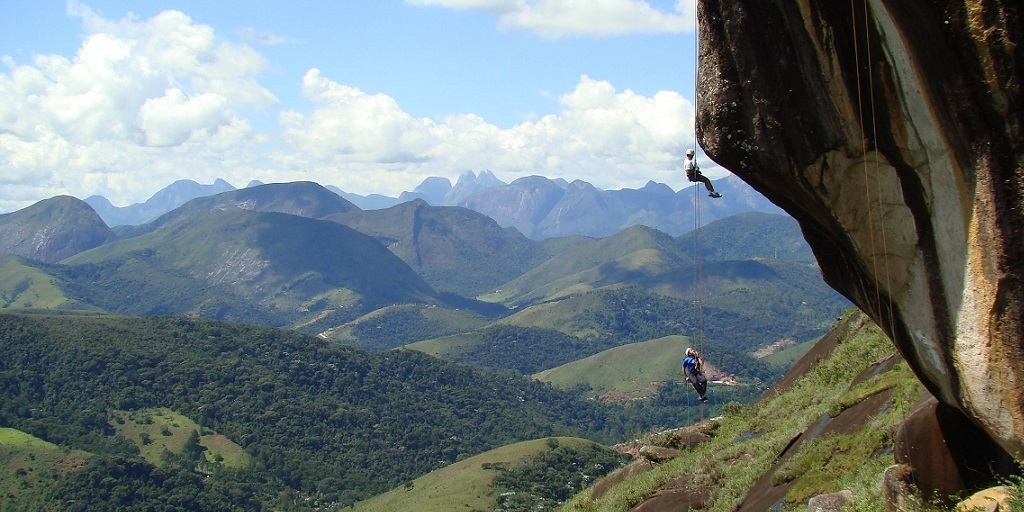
<point x="693" y="369"/>
<point x="693" y="174"/>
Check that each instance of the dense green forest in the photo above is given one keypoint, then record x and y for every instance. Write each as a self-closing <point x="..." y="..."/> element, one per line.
<point x="329" y="422"/>
<point x="322" y="419"/>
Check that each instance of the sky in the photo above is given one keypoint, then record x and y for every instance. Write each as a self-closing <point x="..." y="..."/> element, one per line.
<point x="121" y="98"/>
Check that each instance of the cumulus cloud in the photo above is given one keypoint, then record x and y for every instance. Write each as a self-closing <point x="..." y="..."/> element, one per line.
<point x="568" y="18"/>
<point x="90" y="123"/>
<point x="608" y="137"/>
<point x="143" y="102"/>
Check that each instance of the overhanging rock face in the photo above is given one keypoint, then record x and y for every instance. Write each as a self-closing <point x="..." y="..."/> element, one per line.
<point x="893" y="132"/>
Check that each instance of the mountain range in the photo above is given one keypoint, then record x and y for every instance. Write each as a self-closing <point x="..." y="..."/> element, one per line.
<point x="457" y="294"/>
<point x="298" y="255"/>
<point x="537" y="206"/>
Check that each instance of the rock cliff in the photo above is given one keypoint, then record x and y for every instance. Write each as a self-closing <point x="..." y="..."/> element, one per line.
<point x="892" y="131"/>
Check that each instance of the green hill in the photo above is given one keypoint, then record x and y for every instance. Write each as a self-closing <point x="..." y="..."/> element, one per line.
<point x="651" y="370"/>
<point x="301" y="198"/>
<point x="749" y="236"/>
<point x="554" y="333"/>
<point x="320" y="421"/>
<point x="52" y="230"/>
<point x="746" y="315"/>
<point x="396" y="326"/>
<point x="629" y="255"/>
<point x="524" y="349"/>
<point x="470" y="484"/>
<point x="25" y="284"/>
<point x="630" y="371"/>
<point x="29" y="466"/>
<point x="455" y="249"/>
<point x="156" y="432"/>
<point x="244" y="265"/>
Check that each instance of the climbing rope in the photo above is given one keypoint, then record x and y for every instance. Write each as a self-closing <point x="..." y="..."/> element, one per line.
<point x="701" y="479"/>
<point x="699" y="290"/>
<point x="876" y="178"/>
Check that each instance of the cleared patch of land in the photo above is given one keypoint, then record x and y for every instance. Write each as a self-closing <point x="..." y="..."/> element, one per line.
<point x="156" y="431"/>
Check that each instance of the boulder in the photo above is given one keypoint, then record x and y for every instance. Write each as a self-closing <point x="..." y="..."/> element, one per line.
<point x="947" y="454"/>
<point x="893" y="132"/>
<point x="657" y="453"/>
<point x="899" y="490"/>
<point x="993" y="499"/>
<point x="831" y="502"/>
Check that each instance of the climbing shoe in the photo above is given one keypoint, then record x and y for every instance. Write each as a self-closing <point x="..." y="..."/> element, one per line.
<point x="714" y="194"/>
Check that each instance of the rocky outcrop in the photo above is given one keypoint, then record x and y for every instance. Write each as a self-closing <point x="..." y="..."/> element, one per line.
<point x="946" y="453"/>
<point x="893" y="132"/>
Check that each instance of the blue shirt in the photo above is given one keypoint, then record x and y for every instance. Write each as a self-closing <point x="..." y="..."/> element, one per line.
<point x="690" y="364"/>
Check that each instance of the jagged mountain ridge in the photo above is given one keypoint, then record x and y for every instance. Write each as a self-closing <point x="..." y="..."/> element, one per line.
<point x="165" y="200"/>
<point x="538" y="207"/>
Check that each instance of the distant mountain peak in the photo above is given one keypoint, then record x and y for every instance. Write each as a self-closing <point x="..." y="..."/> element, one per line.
<point x="163" y="201"/>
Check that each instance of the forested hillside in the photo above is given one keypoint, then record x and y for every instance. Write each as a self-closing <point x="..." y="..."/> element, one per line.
<point x="320" y="420"/>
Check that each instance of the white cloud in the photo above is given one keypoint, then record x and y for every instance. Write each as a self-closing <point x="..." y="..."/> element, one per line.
<point x="172" y="118"/>
<point x="91" y="123"/>
<point x="144" y="102"/>
<point x="601" y="135"/>
<point x="568" y="18"/>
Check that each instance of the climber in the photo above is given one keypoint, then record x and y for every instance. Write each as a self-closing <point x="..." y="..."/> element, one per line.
<point x="693" y="174"/>
<point x="693" y="369"/>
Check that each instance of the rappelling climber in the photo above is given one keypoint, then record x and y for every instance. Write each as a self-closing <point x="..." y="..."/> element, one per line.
<point x="693" y="369"/>
<point x="693" y="174"/>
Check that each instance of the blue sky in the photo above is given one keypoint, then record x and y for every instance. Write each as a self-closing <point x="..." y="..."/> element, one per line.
<point x="121" y="98"/>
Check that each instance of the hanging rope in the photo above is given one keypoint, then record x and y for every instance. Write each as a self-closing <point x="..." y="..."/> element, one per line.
<point x="699" y="290"/>
<point x="877" y="174"/>
<point x="700" y="477"/>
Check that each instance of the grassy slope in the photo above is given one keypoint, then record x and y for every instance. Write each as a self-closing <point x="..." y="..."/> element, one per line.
<point x="633" y="369"/>
<point x="559" y="315"/>
<point x="155" y="430"/>
<point x="464" y="485"/>
<point x="630" y="254"/>
<point x="25" y="286"/>
<point x="29" y="465"/>
<point x="745" y="445"/>
<point x="413" y="320"/>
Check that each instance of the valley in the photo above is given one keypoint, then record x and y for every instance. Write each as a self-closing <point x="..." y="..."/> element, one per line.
<point x="331" y="352"/>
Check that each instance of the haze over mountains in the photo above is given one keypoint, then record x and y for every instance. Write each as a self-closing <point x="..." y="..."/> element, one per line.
<point x="298" y="255"/>
<point x="538" y="207"/>
<point x="447" y="281"/>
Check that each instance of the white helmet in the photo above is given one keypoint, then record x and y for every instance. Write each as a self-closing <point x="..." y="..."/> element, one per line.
<point x="689" y="152"/>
